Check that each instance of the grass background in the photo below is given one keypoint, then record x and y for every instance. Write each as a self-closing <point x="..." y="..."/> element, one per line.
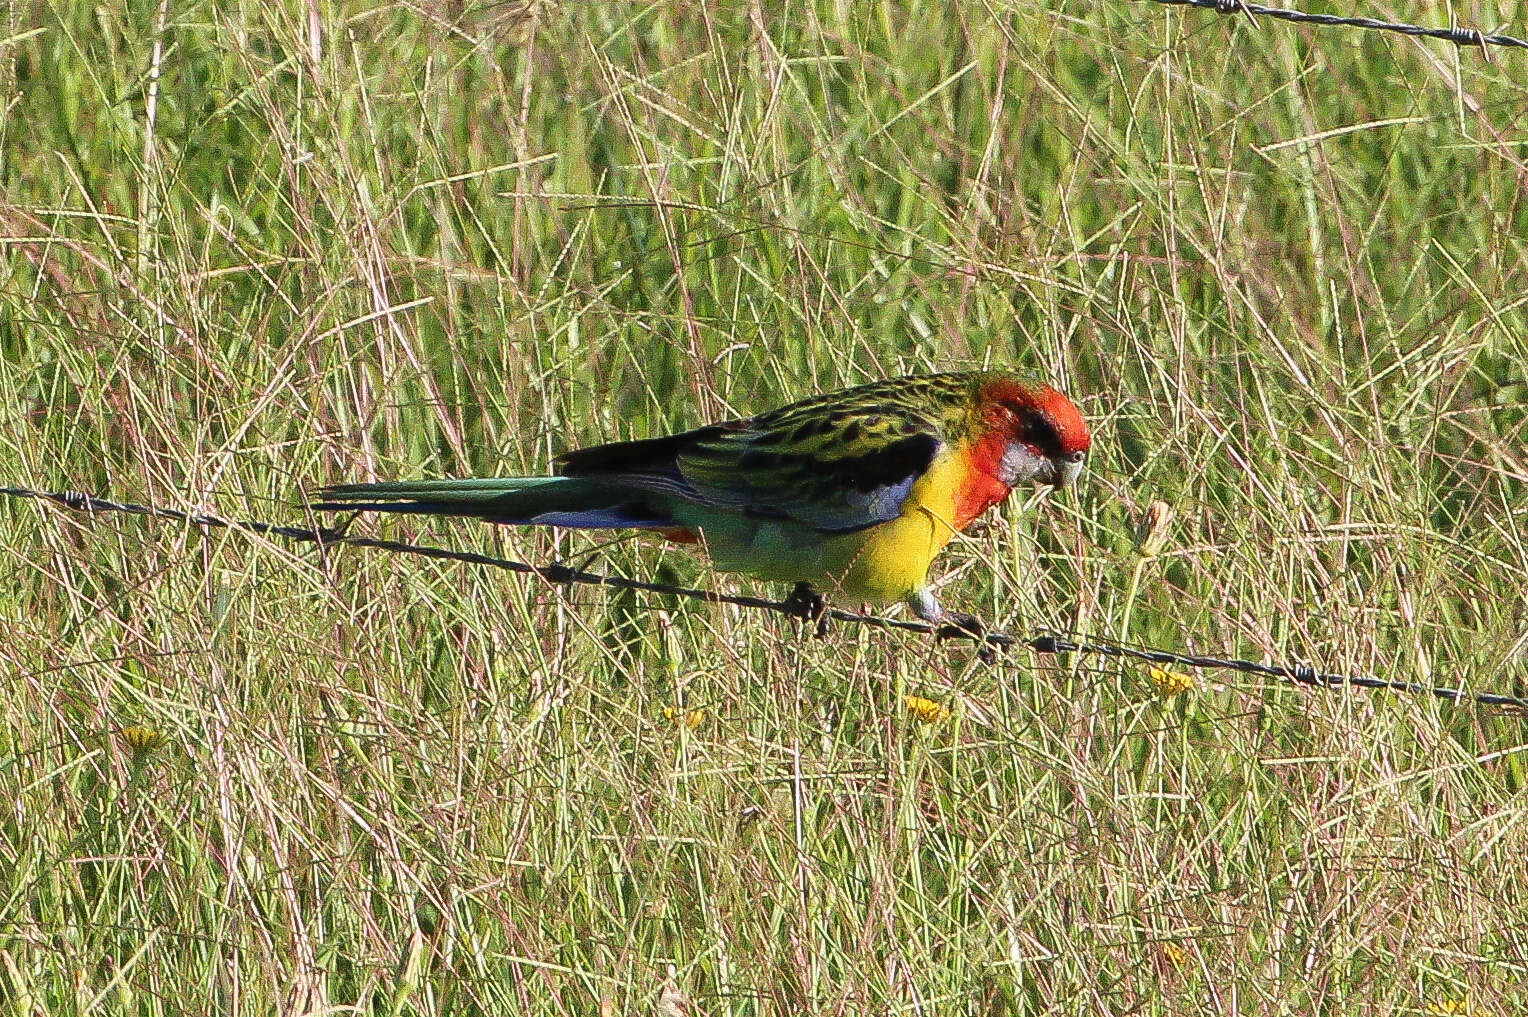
<point x="250" y="248"/>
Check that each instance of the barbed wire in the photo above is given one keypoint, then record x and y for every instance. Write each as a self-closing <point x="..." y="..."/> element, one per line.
<point x="1458" y="35"/>
<point x="563" y="575"/>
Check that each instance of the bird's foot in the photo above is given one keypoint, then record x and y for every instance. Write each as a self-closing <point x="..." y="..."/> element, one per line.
<point x="808" y="605"/>
<point x="959" y="625"/>
<point x="954" y="624"/>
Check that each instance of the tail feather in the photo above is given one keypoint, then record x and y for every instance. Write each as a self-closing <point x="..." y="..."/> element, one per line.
<point x="525" y="501"/>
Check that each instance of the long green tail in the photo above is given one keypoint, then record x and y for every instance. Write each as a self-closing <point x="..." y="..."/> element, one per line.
<point x="523" y="501"/>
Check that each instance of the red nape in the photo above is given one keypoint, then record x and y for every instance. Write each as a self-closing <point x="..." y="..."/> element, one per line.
<point x="681" y="536"/>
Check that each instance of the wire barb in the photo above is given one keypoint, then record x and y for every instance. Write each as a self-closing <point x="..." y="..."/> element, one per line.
<point x="561" y="575"/>
<point x="1455" y="34"/>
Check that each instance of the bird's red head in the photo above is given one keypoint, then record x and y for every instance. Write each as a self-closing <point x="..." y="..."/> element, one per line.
<point x="1044" y="436"/>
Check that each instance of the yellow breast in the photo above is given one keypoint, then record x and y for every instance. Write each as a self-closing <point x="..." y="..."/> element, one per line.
<point x="890" y="561"/>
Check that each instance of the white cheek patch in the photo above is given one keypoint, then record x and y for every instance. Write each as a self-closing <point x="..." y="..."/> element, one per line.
<point x="1019" y="465"/>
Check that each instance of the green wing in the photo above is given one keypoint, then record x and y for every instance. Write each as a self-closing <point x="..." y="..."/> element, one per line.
<point x="834" y="463"/>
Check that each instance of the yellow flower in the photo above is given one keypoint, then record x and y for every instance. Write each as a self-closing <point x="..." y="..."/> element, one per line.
<point x="1171" y="683"/>
<point x="690" y="718"/>
<point x="926" y="710"/>
<point x="142" y="741"/>
<point x="1174" y="954"/>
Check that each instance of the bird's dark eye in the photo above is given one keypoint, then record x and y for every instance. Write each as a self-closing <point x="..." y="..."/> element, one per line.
<point x="1077" y="457"/>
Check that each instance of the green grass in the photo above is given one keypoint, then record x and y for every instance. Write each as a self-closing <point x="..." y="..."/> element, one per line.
<point x="1282" y="269"/>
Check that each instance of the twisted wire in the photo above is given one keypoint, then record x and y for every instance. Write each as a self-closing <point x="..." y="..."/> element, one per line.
<point x="1457" y="34"/>
<point x="1300" y="674"/>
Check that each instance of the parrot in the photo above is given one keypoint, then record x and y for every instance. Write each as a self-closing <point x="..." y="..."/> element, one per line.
<point x="852" y="493"/>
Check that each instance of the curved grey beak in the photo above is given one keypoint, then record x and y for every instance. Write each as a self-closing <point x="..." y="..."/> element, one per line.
<point x="1066" y="469"/>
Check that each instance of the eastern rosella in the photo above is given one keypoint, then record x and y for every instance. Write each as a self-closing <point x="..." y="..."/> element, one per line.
<point x="854" y="492"/>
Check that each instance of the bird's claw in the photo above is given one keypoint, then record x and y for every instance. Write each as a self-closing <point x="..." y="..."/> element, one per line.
<point x="959" y="625"/>
<point x="808" y="605"/>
